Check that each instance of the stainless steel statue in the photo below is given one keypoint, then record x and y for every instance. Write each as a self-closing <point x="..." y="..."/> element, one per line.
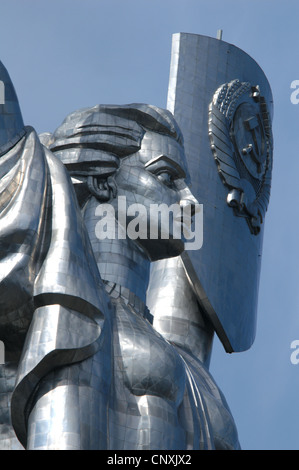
<point x="162" y="397"/>
<point x="89" y="364"/>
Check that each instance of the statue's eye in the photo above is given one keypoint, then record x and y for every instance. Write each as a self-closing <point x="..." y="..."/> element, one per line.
<point x="166" y="178"/>
<point x="166" y="170"/>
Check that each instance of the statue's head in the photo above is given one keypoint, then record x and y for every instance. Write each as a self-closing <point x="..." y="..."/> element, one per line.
<point x="11" y="121"/>
<point x="132" y="151"/>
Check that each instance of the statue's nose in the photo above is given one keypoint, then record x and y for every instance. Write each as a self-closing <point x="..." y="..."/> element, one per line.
<point x="188" y="200"/>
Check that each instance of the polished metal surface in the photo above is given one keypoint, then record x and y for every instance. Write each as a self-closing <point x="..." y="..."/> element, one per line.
<point x="107" y="336"/>
<point x="223" y="104"/>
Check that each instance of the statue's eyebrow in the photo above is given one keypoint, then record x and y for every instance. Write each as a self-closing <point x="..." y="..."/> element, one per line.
<point x="169" y="162"/>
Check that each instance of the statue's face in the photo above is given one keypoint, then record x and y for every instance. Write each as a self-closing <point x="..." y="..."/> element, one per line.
<point x="153" y="176"/>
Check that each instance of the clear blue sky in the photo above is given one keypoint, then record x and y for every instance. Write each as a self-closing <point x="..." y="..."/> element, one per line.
<point x="67" y="54"/>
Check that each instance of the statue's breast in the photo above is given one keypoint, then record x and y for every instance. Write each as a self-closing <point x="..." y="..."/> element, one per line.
<point x="150" y="365"/>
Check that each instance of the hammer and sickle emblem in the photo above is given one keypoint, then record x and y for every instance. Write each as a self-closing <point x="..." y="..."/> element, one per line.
<point x="249" y="137"/>
<point x="243" y="152"/>
<point x="256" y="147"/>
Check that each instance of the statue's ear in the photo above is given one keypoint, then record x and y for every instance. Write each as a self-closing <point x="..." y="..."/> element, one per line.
<point x="103" y="188"/>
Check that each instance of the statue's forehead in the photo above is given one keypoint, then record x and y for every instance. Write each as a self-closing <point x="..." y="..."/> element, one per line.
<point x="93" y="125"/>
<point x="155" y="145"/>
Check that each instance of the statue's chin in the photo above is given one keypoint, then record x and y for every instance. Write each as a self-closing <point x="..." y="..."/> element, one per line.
<point x="161" y="249"/>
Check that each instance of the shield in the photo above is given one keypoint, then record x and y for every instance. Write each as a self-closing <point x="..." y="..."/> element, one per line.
<point x="222" y="101"/>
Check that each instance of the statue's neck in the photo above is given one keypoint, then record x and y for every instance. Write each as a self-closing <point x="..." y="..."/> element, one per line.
<point x="125" y="269"/>
<point x="120" y="261"/>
